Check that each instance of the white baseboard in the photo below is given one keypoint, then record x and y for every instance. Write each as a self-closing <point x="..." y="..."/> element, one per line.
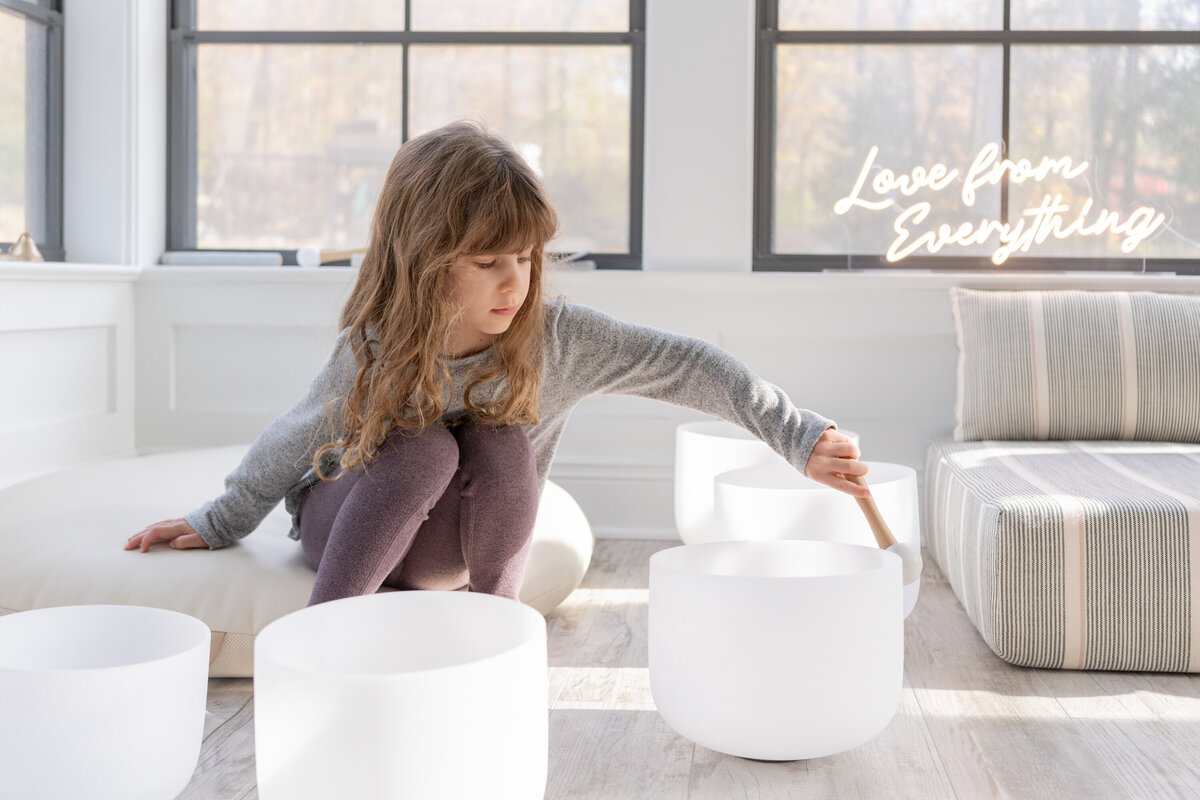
<point x="621" y="500"/>
<point x="641" y="535"/>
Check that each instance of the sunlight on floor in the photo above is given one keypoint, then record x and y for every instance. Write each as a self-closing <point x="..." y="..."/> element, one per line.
<point x="1071" y="703"/>
<point x="628" y="689"/>
<point x="602" y="688"/>
<point x="609" y="597"/>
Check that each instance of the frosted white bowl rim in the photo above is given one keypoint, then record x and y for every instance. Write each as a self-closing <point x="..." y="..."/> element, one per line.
<point x="529" y="620"/>
<point x="876" y="560"/>
<point x="880" y="473"/>
<point x="202" y="635"/>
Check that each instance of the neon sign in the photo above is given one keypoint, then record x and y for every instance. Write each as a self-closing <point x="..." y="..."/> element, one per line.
<point x="1051" y="217"/>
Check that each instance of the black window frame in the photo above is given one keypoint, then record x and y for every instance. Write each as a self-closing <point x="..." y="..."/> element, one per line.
<point x="769" y="37"/>
<point x="182" y="111"/>
<point x="48" y="13"/>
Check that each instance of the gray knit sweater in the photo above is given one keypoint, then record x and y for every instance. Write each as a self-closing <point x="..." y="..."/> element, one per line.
<point x="585" y="352"/>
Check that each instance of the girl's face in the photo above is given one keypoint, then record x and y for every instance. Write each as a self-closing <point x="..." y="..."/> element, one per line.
<point x="491" y="287"/>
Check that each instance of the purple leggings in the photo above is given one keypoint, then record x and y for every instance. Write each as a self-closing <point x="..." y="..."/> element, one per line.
<point x="442" y="509"/>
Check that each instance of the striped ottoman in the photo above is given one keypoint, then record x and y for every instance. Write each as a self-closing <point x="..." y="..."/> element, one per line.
<point x="1072" y="554"/>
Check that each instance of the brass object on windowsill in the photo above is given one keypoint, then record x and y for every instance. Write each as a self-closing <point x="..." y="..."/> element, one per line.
<point x="23" y="249"/>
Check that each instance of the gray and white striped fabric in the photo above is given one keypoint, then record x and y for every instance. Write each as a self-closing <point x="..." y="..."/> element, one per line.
<point x="1077" y="365"/>
<point x="1072" y="554"/>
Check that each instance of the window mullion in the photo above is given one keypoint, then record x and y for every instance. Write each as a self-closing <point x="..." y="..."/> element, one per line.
<point x="54" y="248"/>
<point x="765" y="46"/>
<point x="637" y="124"/>
<point x="181" y="133"/>
<point x="1006" y="106"/>
<point x="404" y="83"/>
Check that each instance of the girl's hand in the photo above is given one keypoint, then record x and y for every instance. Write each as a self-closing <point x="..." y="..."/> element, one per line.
<point x="176" y="532"/>
<point x="833" y="457"/>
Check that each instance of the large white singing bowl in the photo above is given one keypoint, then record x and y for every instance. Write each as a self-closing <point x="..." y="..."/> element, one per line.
<point x="704" y="450"/>
<point x="777" y="502"/>
<point x="776" y="650"/>
<point x="104" y="702"/>
<point x="404" y="694"/>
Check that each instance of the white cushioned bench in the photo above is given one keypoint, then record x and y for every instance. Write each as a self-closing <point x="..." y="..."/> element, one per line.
<point x="62" y="540"/>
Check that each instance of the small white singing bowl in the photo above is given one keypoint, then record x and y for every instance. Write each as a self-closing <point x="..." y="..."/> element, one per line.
<point x="778" y="650"/>
<point x="704" y="450"/>
<point x="403" y="694"/>
<point x="105" y="702"/>
<point x="775" y="501"/>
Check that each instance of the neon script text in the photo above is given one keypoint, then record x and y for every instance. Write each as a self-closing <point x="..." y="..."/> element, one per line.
<point x="1052" y="217"/>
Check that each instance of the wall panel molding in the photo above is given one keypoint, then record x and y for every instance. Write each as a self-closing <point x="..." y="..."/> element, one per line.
<point x="67" y="356"/>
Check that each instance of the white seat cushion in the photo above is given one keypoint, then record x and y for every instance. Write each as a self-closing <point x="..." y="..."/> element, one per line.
<point x="62" y="539"/>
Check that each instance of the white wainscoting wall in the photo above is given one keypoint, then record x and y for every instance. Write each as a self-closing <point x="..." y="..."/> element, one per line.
<point x="66" y="366"/>
<point x="221" y="352"/>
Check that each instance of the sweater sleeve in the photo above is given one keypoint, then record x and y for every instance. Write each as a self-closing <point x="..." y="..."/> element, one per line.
<point x="605" y="355"/>
<point x="280" y="456"/>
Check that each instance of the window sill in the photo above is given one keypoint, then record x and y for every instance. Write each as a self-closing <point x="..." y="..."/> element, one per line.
<point x="214" y="274"/>
<point x="898" y="280"/>
<point x="59" y="271"/>
<point x="884" y="280"/>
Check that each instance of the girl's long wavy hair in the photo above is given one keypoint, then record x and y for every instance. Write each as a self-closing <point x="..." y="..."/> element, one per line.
<point x="454" y="191"/>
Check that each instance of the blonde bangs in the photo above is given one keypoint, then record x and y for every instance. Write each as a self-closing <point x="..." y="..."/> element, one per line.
<point x="514" y="216"/>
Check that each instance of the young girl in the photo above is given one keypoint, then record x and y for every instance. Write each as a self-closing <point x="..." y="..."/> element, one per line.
<point x="418" y="453"/>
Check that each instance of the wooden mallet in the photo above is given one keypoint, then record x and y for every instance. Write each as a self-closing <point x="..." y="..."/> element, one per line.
<point x="910" y="556"/>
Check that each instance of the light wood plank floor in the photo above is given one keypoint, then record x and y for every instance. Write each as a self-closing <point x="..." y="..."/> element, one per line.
<point x="969" y="725"/>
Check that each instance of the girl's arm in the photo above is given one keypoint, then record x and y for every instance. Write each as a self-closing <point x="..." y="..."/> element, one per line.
<point x="601" y="354"/>
<point x="280" y="456"/>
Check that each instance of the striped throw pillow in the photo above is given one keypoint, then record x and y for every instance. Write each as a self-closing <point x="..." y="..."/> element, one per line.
<point x="1077" y="365"/>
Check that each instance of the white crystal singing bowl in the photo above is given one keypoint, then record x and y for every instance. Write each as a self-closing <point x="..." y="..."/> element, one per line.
<point x="704" y="450"/>
<point x="403" y="694"/>
<point x="776" y="650"/>
<point x="777" y="502"/>
<point x="101" y="701"/>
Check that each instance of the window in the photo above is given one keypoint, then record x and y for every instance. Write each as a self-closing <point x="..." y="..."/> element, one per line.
<point x="285" y="116"/>
<point x="978" y="134"/>
<point x="31" y="124"/>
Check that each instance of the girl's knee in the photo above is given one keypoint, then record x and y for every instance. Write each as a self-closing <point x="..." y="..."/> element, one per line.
<point x="507" y="438"/>
<point x="434" y="443"/>
<point x="502" y="450"/>
<point x="432" y="453"/>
